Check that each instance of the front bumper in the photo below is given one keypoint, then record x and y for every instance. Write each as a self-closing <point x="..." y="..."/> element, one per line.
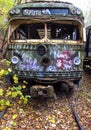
<point x="49" y="76"/>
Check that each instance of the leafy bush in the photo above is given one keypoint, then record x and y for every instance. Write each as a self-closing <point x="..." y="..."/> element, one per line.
<point x="11" y="94"/>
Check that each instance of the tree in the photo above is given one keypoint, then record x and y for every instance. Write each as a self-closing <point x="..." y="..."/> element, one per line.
<point x="87" y="15"/>
<point x="17" y="1"/>
<point x="5" y="6"/>
<point x="22" y="1"/>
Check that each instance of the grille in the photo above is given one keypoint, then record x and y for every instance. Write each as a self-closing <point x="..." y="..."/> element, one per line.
<point x="54" y="75"/>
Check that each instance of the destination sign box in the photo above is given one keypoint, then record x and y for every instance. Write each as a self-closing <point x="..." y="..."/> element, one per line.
<point x="34" y="12"/>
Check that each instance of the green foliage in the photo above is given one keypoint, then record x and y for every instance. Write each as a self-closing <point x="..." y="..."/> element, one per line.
<point x="16" y="91"/>
<point x="7" y="97"/>
<point x="5" y="6"/>
<point x="15" y="78"/>
<point x="1" y="92"/>
<point x="5" y="61"/>
<point x="12" y="93"/>
<point x="3" y="72"/>
<point x="4" y="103"/>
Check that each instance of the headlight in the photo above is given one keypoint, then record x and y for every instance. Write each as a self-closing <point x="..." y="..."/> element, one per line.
<point x="78" y="11"/>
<point x="77" y="60"/>
<point x="73" y="10"/>
<point x="12" y="11"/>
<point x="14" y="60"/>
<point x="15" y="11"/>
<point x="26" y="12"/>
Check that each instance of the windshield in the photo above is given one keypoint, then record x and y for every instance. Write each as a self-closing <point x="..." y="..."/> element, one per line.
<point x="50" y="30"/>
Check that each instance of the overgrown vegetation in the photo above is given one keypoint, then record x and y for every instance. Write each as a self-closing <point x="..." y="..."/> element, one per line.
<point x="9" y="94"/>
<point x="5" y="6"/>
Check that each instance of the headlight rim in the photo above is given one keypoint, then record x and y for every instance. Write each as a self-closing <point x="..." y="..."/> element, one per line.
<point x="76" y="11"/>
<point x="77" y="61"/>
<point x="73" y="11"/>
<point x="14" y="62"/>
<point x="26" y="12"/>
<point x="15" y="11"/>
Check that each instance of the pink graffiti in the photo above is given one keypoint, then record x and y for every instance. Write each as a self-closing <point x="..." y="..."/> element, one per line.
<point x="64" y="61"/>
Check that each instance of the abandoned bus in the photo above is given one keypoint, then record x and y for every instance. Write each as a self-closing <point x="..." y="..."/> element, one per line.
<point x="45" y="42"/>
<point x="87" y="58"/>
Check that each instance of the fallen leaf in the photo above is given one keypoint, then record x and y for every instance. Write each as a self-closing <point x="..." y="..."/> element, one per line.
<point x="14" y="116"/>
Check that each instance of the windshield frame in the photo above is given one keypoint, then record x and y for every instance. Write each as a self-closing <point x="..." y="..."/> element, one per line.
<point x="13" y="25"/>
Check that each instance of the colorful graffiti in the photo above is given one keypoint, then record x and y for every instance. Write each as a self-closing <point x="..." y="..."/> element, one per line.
<point x="65" y="60"/>
<point x="59" y="60"/>
<point x="29" y="65"/>
<point x="28" y="62"/>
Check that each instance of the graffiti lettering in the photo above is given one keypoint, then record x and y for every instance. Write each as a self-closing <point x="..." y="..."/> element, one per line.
<point x="64" y="60"/>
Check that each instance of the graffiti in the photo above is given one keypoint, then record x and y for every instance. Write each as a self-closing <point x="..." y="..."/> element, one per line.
<point x="60" y="60"/>
<point x="51" y="68"/>
<point x="65" y="60"/>
<point x="31" y="65"/>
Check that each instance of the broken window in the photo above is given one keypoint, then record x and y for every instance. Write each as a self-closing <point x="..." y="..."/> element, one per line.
<point x="68" y="32"/>
<point x="54" y="31"/>
<point x="29" y="31"/>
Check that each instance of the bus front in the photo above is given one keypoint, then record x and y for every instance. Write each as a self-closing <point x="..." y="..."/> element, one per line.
<point x="45" y="42"/>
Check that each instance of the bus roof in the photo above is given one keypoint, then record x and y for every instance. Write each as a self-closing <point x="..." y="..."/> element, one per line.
<point x="42" y="3"/>
<point x="66" y="9"/>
